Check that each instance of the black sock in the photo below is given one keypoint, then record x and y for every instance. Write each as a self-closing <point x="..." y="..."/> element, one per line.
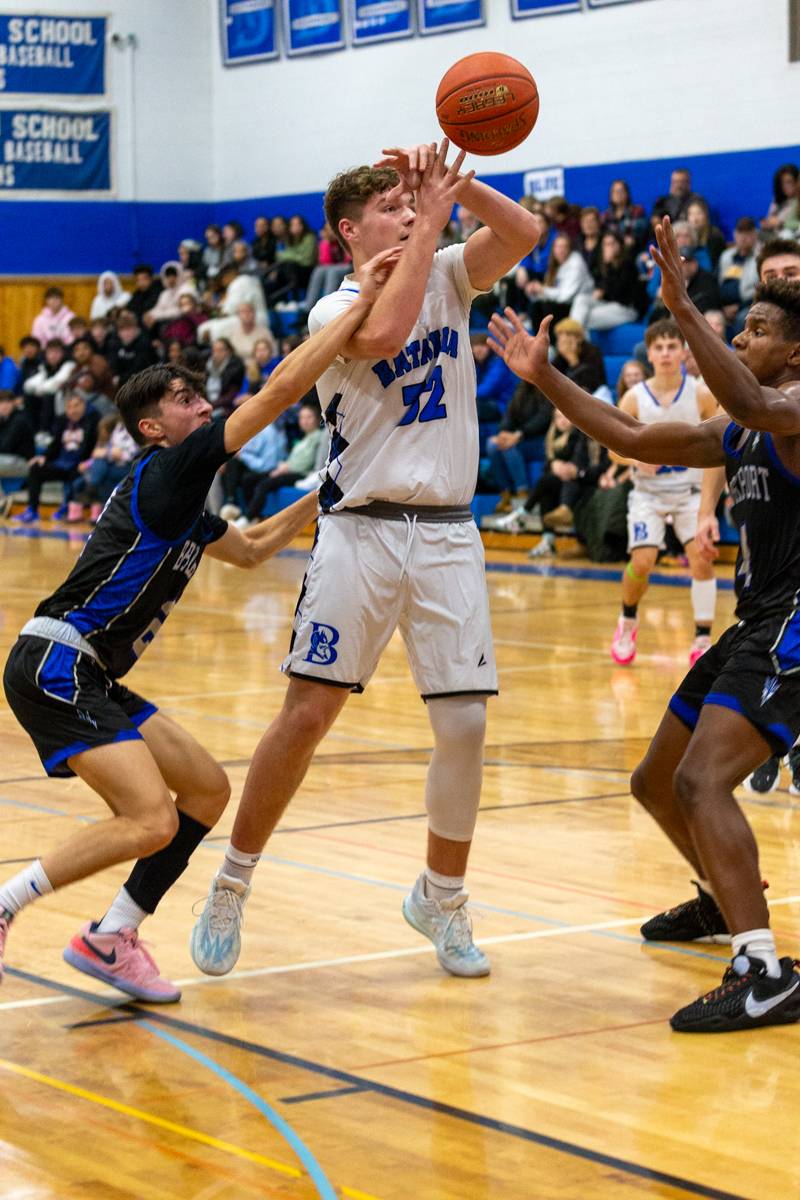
<point x="630" y="611"/>
<point x="152" y="877"/>
<point x="702" y="630"/>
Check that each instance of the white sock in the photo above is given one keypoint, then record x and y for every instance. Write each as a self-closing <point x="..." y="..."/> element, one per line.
<point x="758" y="943"/>
<point x="442" y="887"/>
<point x="704" y="600"/>
<point x="24" y="887"/>
<point x="238" y="865"/>
<point x="124" y="913"/>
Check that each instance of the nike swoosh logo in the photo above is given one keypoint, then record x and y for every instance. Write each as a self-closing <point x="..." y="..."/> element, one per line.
<point x="35" y="888"/>
<point x="757" y="1008"/>
<point x="107" y="958"/>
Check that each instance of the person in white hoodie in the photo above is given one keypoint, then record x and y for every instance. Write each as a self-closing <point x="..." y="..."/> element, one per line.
<point x="566" y="277"/>
<point x="110" y="296"/>
<point x="166" y="307"/>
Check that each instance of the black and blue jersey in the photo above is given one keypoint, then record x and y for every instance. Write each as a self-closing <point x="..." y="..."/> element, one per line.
<point x="144" y="549"/>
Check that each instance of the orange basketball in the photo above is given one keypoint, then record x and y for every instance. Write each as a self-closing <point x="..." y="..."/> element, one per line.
<point x="487" y="103"/>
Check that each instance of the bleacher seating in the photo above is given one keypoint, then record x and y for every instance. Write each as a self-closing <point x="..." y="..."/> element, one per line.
<point x="620" y="340"/>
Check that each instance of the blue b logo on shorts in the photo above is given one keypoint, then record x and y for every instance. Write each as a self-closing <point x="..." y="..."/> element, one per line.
<point x="323" y="639"/>
<point x="639" y="531"/>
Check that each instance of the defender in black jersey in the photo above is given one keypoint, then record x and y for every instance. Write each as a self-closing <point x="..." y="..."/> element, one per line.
<point x="62" y="678"/>
<point x="741" y="700"/>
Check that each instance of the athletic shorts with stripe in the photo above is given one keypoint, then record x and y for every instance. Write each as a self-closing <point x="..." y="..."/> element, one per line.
<point x="754" y="669"/>
<point x="648" y="513"/>
<point x="368" y="576"/>
<point x="66" y="702"/>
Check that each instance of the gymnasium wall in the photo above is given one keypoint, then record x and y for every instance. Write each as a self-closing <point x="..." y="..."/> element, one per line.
<point x="626" y="90"/>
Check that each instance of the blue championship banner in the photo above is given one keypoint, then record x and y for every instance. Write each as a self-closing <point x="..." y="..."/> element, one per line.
<point x="45" y="151"/>
<point x="542" y="8"/>
<point x="53" y="56"/>
<point x="247" y="28"/>
<point x="313" y="25"/>
<point x="442" y="16"/>
<point x="379" y="20"/>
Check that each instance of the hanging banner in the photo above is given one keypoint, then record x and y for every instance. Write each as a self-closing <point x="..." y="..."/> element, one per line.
<point x="379" y="20"/>
<point x="247" y="29"/>
<point x="42" y="151"/>
<point x="544" y="182"/>
<point x="442" y="16"/>
<point x="542" y="8"/>
<point x="313" y="25"/>
<point x="52" y="55"/>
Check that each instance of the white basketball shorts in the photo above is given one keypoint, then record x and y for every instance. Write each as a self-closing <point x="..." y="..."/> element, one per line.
<point x="368" y="576"/>
<point x="648" y="513"/>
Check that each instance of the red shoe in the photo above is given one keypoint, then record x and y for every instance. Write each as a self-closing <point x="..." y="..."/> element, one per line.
<point x="121" y="960"/>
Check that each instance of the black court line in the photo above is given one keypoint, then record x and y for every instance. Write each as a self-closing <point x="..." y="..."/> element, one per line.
<point x="7" y="862"/>
<point x="329" y="1095"/>
<point x="135" y="1016"/>
<point x="23" y="779"/>
<point x="347" y="1078"/>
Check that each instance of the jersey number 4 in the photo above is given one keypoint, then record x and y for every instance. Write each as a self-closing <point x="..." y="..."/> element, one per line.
<point x="433" y="409"/>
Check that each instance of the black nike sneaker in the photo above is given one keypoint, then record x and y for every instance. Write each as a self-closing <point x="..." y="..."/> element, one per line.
<point x="766" y="777"/>
<point x="747" y="998"/>
<point x="698" y="920"/>
<point x="794" y="766"/>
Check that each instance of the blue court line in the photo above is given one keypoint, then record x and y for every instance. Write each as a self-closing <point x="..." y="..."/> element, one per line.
<point x="43" y="808"/>
<point x="330" y="1094"/>
<point x="398" y="1094"/>
<point x="314" y="1170"/>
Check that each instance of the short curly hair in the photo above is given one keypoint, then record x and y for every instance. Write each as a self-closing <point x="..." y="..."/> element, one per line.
<point x="349" y="191"/>
<point x="785" y="295"/>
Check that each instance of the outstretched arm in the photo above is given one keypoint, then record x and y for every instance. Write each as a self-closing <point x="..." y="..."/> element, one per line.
<point x="249" y="547"/>
<point x="732" y="383"/>
<point x="674" y="443"/>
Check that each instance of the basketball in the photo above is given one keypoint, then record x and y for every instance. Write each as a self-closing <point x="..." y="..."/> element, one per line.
<point x="487" y="103"/>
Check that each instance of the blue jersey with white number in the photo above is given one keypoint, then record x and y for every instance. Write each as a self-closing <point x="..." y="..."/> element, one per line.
<point x="405" y="429"/>
<point x="766" y="509"/>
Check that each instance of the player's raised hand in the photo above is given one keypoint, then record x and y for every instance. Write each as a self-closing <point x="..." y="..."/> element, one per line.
<point x="525" y="355"/>
<point x="667" y="257"/>
<point x="374" y="273"/>
<point x="440" y="188"/>
<point x="409" y="162"/>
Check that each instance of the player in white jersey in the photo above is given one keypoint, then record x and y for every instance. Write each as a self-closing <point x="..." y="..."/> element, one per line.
<point x="396" y="546"/>
<point x="662" y="494"/>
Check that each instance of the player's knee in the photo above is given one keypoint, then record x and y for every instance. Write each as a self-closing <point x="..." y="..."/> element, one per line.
<point x="218" y="793"/>
<point x="157" y="830"/>
<point x="689" y="781"/>
<point x="306" y="722"/>
<point x="640" y="785"/>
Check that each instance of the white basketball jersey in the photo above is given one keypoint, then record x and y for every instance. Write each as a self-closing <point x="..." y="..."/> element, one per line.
<point x="405" y="429"/>
<point x="683" y="408"/>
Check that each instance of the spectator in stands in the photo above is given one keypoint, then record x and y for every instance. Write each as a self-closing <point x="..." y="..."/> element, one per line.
<point x="250" y="468"/>
<point x="676" y="203"/>
<point x="53" y="321"/>
<point x="87" y="361"/>
<point x="224" y="377"/>
<point x="465" y="223"/>
<point x="295" y="262"/>
<point x="564" y="217"/>
<point x="103" y="336"/>
<point x="134" y="350"/>
<point x="624" y="217"/>
<point x="44" y="389"/>
<point x="496" y="383"/>
<point x="566" y="277"/>
<point x="617" y="294"/>
<point x="517" y="443"/>
<point x="576" y="357"/>
<point x="174" y="351"/>
<point x="684" y="236"/>
<point x="632" y="372"/>
<point x="279" y="228"/>
<point x="31" y="359"/>
<point x="146" y="289"/>
<point x="99" y="474"/>
<point x="17" y="446"/>
<point x="574" y="463"/>
<point x="185" y="326"/>
<point x="261" y="364"/>
<point x="701" y="286"/>
<point x="242" y="289"/>
<point x="74" y="437"/>
<point x="189" y="264"/>
<point x="211" y="254"/>
<point x="783" y="216"/>
<point x="109" y="298"/>
<point x="589" y="241"/>
<point x="166" y="307"/>
<point x="9" y="372"/>
<point x="232" y="232"/>
<point x="708" y="239"/>
<point x="242" y="258"/>
<point x="302" y="459"/>
<point x="242" y="330"/>
<point x="263" y="245"/>
<point x="334" y="264"/>
<point x="84" y="381"/>
<point x="716" y="319"/>
<point x="737" y="273"/>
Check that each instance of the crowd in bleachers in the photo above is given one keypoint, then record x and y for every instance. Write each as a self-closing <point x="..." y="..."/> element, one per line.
<point x="230" y="305"/>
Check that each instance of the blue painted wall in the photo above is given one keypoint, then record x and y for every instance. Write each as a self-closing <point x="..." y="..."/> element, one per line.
<point x="71" y="237"/>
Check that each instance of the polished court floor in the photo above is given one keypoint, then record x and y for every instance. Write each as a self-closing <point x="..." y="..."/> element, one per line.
<point x="338" y="1060"/>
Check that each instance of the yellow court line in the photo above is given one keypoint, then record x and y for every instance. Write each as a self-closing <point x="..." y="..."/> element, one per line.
<point x="171" y="1126"/>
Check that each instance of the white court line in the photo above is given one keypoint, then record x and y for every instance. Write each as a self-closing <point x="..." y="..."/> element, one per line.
<point x="375" y="956"/>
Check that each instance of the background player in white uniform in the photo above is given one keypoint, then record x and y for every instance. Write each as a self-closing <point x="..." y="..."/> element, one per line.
<point x="396" y="546"/>
<point x="665" y="493"/>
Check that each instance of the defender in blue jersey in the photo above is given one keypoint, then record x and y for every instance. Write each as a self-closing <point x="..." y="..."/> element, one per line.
<point x="741" y="700"/>
<point x="62" y="678"/>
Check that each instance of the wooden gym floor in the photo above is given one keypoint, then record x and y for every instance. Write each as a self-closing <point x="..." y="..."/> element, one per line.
<point x="338" y="1060"/>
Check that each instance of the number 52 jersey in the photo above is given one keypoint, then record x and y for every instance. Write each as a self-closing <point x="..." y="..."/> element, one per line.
<point x="405" y="429"/>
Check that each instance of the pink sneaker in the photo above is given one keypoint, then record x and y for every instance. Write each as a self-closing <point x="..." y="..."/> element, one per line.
<point x="698" y="648"/>
<point x="5" y="925"/>
<point x="623" y="644"/>
<point x="121" y="960"/>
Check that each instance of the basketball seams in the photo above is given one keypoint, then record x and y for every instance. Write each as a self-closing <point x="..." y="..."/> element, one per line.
<point x="485" y="81"/>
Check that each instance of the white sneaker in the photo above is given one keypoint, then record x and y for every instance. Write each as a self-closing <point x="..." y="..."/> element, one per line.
<point x="543" y="549"/>
<point x="519" y="520"/>
<point x="447" y="924"/>
<point x="216" y="940"/>
<point x="229" y="512"/>
<point x="623" y="643"/>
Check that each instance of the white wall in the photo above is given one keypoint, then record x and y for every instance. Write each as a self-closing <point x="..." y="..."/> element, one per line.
<point x="645" y="80"/>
